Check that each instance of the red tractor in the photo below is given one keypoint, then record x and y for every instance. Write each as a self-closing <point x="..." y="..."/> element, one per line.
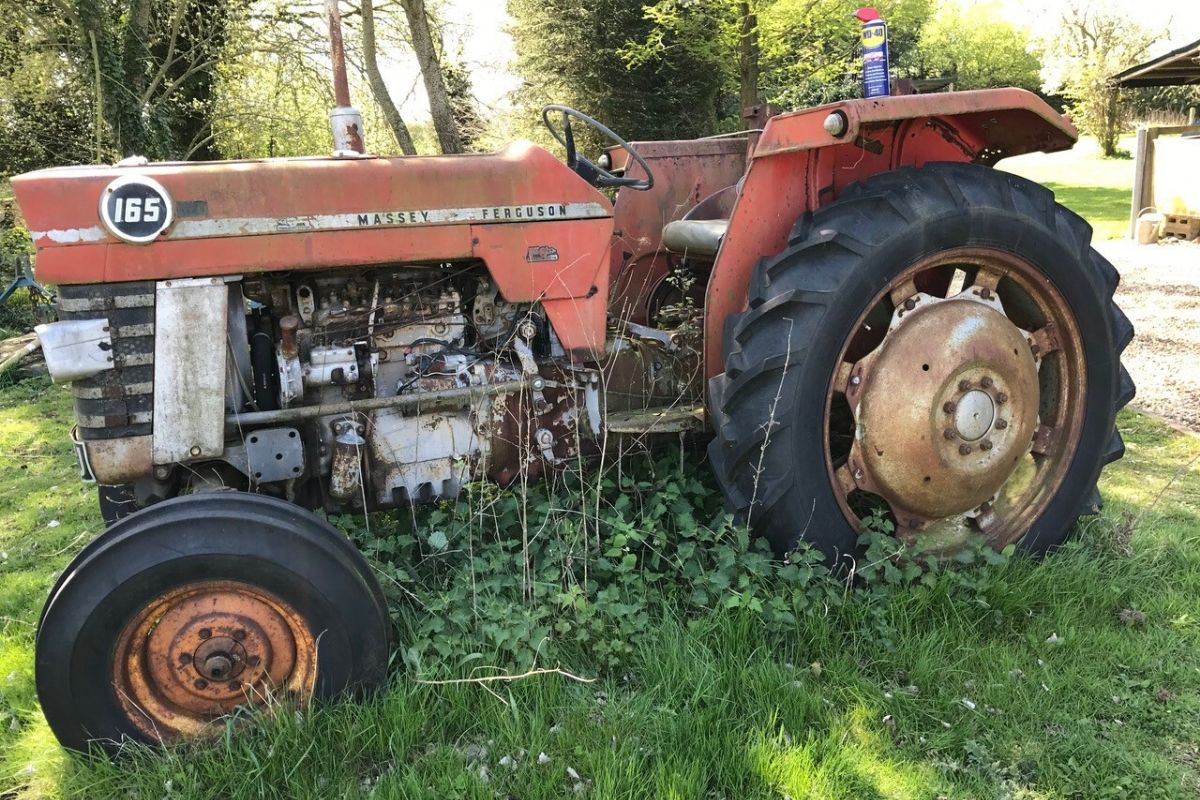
<point x="856" y="306"/>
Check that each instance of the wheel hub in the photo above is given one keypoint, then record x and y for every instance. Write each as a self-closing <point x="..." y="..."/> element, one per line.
<point x="974" y="415"/>
<point x="196" y="653"/>
<point x="948" y="408"/>
<point x="220" y="658"/>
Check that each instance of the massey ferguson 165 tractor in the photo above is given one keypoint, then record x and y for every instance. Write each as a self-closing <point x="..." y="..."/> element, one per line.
<point x="856" y="306"/>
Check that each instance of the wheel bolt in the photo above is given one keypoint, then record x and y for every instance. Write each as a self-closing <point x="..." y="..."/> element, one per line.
<point x="910" y="304"/>
<point x="235" y="685"/>
<point x="963" y="385"/>
<point x="855" y="380"/>
<point x="964" y="449"/>
<point x="1001" y="424"/>
<point x="949" y="433"/>
<point x="949" y="406"/>
<point x="985" y="445"/>
<point x="185" y="659"/>
<point x="206" y="633"/>
<point x="200" y="683"/>
<point x="1002" y="398"/>
<point x="254" y="661"/>
<point x="986" y="293"/>
<point x="239" y="634"/>
<point x="986" y="382"/>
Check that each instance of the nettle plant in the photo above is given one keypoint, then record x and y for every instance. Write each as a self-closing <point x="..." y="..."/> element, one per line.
<point x="582" y="567"/>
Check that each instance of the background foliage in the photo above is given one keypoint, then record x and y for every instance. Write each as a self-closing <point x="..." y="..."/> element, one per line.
<point x="94" y="80"/>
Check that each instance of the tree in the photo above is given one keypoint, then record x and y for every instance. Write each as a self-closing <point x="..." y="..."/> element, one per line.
<point x="47" y="108"/>
<point x="471" y="125"/>
<point x="154" y="64"/>
<point x="431" y="73"/>
<point x="791" y="53"/>
<point x="577" y="52"/>
<point x="811" y="47"/>
<point x="978" y="49"/>
<point x="378" y="87"/>
<point x="1093" y="45"/>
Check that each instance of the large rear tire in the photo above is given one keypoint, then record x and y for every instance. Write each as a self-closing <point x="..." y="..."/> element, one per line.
<point x="178" y="614"/>
<point x="940" y="345"/>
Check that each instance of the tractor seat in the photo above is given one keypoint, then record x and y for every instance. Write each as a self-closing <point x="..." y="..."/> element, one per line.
<point x="694" y="237"/>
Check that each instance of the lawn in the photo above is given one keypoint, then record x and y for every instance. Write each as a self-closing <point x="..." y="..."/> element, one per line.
<point x="1076" y="676"/>
<point x="1098" y="189"/>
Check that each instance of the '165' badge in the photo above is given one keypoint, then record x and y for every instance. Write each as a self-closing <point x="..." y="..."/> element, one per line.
<point x="135" y="208"/>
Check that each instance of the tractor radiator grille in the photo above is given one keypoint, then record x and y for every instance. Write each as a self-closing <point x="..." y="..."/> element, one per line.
<point x="118" y="402"/>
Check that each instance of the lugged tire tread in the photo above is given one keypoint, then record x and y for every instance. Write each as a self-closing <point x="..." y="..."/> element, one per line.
<point x="793" y="287"/>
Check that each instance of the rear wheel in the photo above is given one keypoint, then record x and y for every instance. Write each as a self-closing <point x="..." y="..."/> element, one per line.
<point x="939" y="345"/>
<point x="182" y="612"/>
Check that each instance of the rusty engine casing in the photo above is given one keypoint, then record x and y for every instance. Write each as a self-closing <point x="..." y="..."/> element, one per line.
<point x="363" y="332"/>
<point x="351" y="332"/>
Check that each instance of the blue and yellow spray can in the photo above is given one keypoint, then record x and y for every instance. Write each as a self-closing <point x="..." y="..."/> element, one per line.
<point x="876" y="69"/>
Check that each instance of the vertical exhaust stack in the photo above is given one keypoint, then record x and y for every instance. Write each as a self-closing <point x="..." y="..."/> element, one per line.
<point x="345" y="120"/>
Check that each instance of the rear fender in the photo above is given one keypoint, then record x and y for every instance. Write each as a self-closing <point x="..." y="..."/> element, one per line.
<point x="799" y="166"/>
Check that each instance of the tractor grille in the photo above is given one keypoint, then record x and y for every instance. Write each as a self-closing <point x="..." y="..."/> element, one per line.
<point x="118" y="402"/>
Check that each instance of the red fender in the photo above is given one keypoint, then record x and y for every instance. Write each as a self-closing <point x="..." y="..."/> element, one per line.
<point x="798" y="166"/>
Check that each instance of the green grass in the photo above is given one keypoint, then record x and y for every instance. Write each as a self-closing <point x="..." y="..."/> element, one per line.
<point x="1098" y="189"/>
<point x="914" y="692"/>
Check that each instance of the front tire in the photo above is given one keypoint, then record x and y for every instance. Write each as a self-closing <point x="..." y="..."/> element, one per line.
<point x="939" y="345"/>
<point x="181" y="612"/>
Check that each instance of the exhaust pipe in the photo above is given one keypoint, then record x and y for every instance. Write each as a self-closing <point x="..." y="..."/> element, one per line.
<point x="345" y="120"/>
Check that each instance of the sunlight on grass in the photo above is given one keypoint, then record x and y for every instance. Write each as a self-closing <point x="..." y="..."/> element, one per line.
<point x="1098" y="189"/>
<point x="851" y="758"/>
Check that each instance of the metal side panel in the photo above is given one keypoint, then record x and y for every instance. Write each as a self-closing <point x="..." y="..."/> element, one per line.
<point x="189" y="369"/>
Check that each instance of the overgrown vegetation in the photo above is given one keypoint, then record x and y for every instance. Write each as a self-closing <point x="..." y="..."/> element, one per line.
<point x="709" y="668"/>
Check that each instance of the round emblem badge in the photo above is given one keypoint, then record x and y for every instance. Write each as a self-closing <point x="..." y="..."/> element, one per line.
<point x="135" y="208"/>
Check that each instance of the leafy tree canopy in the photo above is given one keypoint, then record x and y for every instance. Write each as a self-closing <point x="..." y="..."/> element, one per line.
<point x="978" y="49"/>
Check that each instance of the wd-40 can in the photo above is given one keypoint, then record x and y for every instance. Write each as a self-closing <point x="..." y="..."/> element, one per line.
<point x="876" y="70"/>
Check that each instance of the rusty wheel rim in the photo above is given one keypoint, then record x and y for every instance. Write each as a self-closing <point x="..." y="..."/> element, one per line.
<point x="956" y="404"/>
<point x="195" y="654"/>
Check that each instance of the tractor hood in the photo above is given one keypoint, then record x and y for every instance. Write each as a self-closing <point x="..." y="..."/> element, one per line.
<point x="141" y="221"/>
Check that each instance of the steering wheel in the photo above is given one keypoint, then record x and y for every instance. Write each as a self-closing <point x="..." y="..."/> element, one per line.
<point x="591" y="172"/>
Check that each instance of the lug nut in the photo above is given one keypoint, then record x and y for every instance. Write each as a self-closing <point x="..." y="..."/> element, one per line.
<point x="910" y="304"/>
<point x="200" y="683"/>
<point x="963" y="385"/>
<point x="185" y="659"/>
<point x="1001" y="424"/>
<point x="949" y="406"/>
<point x="1002" y="398"/>
<point x="235" y="684"/>
<point x="855" y="380"/>
<point x="986" y="382"/>
<point x="239" y="634"/>
<point x="985" y="445"/>
<point x="964" y="449"/>
<point x="206" y="633"/>
<point x="986" y="293"/>
<point x="254" y="661"/>
<point x="949" y="433"/>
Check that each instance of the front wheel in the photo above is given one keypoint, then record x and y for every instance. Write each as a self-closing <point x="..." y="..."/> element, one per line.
<point x="184" y="611"/>
<point x="940" y="346"/>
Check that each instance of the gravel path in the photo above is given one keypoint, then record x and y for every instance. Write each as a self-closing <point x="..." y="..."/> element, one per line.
<point x="1160" y="292"/>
